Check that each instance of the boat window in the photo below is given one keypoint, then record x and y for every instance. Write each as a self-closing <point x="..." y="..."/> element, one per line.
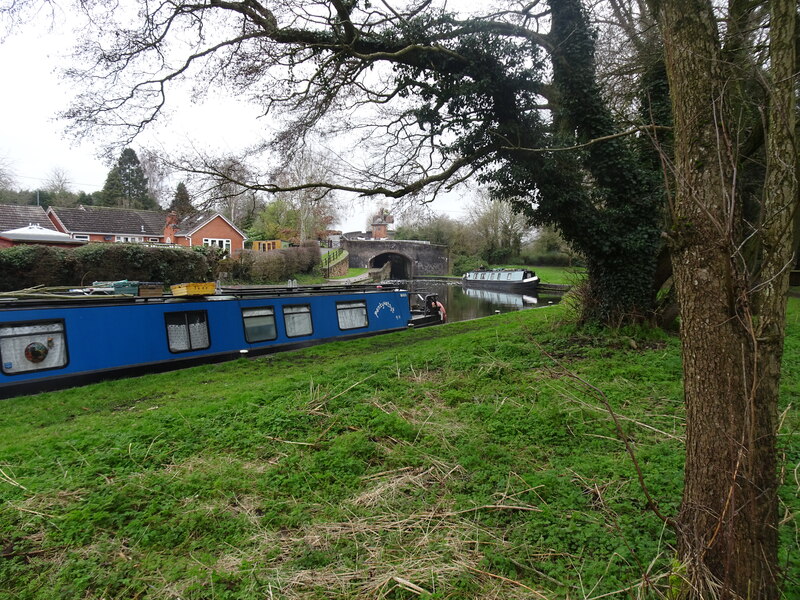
<point x="259" y="324"/>
<point x="352" y="315"/>
<point x="297" y="319"/>
<point x="27" y="347"/>
<point x="187" y="331"/>
<point x="508" y="276"/>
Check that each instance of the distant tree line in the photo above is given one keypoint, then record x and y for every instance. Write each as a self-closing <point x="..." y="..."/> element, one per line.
<point x="126" y="186"/>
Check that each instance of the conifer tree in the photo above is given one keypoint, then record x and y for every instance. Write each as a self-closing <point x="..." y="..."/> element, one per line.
<point x="126" y="184"/>
<point x="181" y="201"/>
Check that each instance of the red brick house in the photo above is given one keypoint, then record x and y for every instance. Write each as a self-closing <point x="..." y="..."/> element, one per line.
<point x="204" y="229"/>
<point x="108" y="224"/>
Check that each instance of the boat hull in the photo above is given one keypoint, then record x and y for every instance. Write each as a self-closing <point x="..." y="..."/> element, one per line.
<point x="58" y="344"/>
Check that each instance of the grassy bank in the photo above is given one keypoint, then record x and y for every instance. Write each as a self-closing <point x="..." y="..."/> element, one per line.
<point x="465" y="461"/>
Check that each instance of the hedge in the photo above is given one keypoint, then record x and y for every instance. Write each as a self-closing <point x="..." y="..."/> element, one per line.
<point x="28" y="266"/>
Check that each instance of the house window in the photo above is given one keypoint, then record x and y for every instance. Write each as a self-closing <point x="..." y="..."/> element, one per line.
<point x="352" y="315"/>
<point x="128" y="239"/>
<point x="297" y="319"/>
<point x="259" y="324"/>
<point x="187" y="331"/>
<point x="32" y="347"/>
<point x="80" y="236"/>
<point x="225" y="244"/>
<point x="152" y="239"/>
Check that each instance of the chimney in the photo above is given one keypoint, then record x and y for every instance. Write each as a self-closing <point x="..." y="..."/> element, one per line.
<point x="170" y="227"/>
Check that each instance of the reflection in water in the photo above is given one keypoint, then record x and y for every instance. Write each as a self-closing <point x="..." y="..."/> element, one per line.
<point x="519" y="301"/>
<point x="463" y="305"/>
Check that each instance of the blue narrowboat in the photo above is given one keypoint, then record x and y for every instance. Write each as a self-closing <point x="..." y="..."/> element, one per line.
<point x="50" y="344"/>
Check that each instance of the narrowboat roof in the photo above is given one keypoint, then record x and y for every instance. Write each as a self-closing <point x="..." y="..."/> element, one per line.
<point x="64" y="301"/>
<point x="497" y="270"/>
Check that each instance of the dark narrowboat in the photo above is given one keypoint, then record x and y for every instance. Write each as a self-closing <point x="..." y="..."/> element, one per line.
<point x="56" y="343"/>
<point x="511" y="281"/>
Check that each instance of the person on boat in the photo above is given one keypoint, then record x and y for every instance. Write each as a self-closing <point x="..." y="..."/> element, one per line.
<point x="432" y="306"/>
<point x="440" y="307"/>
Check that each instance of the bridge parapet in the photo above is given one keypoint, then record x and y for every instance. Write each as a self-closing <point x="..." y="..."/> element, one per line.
<point x="409" y="258"/>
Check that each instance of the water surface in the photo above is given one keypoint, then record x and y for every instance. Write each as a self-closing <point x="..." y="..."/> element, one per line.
<point x="463" y="305"/>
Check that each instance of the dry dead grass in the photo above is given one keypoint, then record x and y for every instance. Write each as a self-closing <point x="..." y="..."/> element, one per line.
<point x="397" y="549"/>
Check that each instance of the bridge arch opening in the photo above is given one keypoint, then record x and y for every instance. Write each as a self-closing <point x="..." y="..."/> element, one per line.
<point x="402" y="267"/>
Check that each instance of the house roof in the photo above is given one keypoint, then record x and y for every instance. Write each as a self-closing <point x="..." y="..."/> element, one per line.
<point x="109" y="220"/>
<point x="14" y="217"/>
<point x="191" y="223"/>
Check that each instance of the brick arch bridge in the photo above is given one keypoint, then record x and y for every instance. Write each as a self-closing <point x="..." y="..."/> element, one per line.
<point x="408" y="258"/>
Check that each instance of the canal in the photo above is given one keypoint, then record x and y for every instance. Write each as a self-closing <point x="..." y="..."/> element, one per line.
<point x="463" y="305"/>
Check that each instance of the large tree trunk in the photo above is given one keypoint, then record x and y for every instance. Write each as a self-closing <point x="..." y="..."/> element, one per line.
<point x="731" y="317"/>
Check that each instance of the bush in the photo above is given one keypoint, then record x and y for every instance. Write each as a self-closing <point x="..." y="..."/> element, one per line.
<point x="275" y="266"/>
<point x="27" y="266"/>
<point x="551" y="259"/>
<point x="463" y="264"/>
<point x="549" y="249"/>
<point x="110" y="262"/>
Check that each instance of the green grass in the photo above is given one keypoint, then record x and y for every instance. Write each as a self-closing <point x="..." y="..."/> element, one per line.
<point x="315" y="279"/>
<point x="331" y="257"/>
<point x="454" y="462"/>
<point x="561" y="275"/>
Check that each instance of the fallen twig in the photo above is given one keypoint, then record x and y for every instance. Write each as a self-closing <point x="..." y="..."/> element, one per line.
<point x="357" y="383"/>
<point x="7" y="478"/>
<point x="269" y="437"/>
<point x="487" y="507"/>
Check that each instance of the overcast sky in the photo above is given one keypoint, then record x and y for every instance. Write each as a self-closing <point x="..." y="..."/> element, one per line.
<point x="34" y="143"/>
